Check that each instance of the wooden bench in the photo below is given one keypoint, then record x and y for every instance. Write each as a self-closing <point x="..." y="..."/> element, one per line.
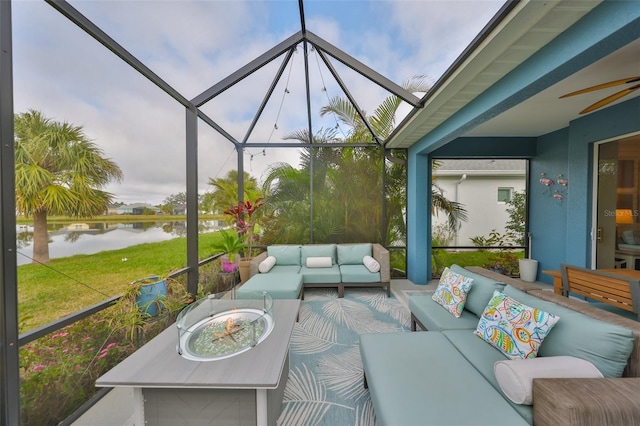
<point x="615" y="290"/>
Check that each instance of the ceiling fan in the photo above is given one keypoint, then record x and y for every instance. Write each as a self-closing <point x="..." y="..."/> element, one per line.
<point x="608" y="99"/>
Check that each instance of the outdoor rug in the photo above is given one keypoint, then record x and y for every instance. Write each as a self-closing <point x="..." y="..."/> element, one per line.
<point x="325" y="385"/>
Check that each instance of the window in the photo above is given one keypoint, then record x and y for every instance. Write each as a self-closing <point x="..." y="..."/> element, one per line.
<point x="504" y="194"/>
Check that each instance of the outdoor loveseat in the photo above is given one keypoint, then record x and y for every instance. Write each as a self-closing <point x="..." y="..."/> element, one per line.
<point x="586" y="372"/>
<point x="326" y="265"/>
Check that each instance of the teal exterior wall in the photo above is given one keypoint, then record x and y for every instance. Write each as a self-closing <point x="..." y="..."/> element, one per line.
<point x="561" y="231"/>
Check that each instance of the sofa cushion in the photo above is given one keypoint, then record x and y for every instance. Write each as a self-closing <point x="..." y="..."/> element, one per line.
<point x="481" y="291"/>
<point x="285" y="254"/>
<point x="266" y="265"/>
<point x="358" y="274"/>
<point x="515" y="377"/>
<point x="434" y="318"/>
<point x="320" y="275"/>
<point x="352" y="254"/>
<point x="279" y="286"/>
<point x="451" y="292"/>
<point x="285" y="269"/>
<point x="431" y="384"/>
<point x="482" y="357"/>
<point x="318" y="250"/>
<point x="605" y="345"/>
<point x="514" y="328"/>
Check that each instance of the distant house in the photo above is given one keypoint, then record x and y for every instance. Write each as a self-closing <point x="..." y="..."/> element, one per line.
<point x="138" y="209"/>
<point x="179" y="209"/>
<point x="482" y="187"/>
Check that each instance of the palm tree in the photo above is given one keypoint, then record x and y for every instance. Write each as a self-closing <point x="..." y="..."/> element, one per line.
<point x="59" y="171"/>
<point x="225" y="190"/>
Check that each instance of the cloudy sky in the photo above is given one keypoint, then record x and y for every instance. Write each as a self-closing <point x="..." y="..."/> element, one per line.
<point x="61" y="71"/>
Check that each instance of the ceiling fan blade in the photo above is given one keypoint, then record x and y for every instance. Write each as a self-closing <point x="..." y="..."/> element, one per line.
<point x="610" y="99"/>
<point x="603" y="86"/>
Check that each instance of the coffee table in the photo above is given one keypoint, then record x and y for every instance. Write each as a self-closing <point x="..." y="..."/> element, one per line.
<point x="244" y="389"/>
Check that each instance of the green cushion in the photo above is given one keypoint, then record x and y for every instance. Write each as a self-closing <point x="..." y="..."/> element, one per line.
<point x="324" y="250"/>
<point x="483" y="356"/>
<point x="358" y="274"/>
<point x="435" y="318"/>
<point x="605" y="345"/>
<point x="285" y="254"/>
<point x="279" y="286"/>
<point x="481" y="290"/>
<point x="421" y="378"/>
<point x="320" y="275"/>
<point x="352" y="254"/>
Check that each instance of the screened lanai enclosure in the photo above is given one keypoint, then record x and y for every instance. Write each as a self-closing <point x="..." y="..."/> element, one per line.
<point x="199" y="106"/>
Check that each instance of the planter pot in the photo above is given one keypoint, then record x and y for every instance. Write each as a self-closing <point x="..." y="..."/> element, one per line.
<point x="227" y="265"/>
<point x="243" y="266"/>
<point x="528" y="269"/>
<point x="153" y="289"/>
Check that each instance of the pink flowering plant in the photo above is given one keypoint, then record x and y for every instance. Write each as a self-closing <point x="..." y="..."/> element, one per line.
<point x="58" y="371"/>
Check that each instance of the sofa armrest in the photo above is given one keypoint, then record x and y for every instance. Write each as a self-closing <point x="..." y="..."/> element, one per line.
<point x="381" y="254"/>
<point x="255" y="262"/>
<point x="586" y="402"/>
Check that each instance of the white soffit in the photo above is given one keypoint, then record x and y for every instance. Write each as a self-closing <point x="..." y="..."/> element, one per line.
<point x="527" y="28"/>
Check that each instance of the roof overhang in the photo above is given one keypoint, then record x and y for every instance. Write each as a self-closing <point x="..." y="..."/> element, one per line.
<point x="522" y="31"/>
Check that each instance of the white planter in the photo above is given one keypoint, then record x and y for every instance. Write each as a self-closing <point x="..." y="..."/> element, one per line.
<point x="528" y="269"/>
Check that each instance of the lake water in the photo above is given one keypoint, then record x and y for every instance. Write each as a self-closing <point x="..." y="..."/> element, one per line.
<point x="82" y="238"/>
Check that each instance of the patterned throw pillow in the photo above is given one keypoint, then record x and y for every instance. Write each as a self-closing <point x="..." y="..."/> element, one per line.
<point x="515" y="329"/>
<point x="452" y="291"/>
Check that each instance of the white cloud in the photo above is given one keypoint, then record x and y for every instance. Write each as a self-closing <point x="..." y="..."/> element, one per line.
<point x="67" y="75"/>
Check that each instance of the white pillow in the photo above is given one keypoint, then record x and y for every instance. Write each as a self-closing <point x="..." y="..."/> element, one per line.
<point x="266" y="265"/>
<point x="371" y="264"/>
<point x="319" y="262"/>
<point x="515" y="376"/>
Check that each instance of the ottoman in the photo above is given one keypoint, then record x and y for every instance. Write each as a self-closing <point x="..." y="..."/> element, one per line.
<point x="279" y="286"/>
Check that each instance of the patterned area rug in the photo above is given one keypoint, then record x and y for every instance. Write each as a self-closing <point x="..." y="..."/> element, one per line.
<point x="325" y="385"/>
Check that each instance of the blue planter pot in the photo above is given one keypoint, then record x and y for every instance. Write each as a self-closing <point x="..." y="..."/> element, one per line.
<point x="152" y="292"/>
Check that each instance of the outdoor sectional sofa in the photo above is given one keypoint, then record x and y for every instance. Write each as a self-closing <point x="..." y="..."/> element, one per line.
<point x="449" y="376"/>
<point x="327" y="265"/>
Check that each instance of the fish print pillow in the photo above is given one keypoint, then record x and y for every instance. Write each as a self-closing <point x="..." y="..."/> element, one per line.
<point x="452" y="291"/>
<point x="515" y="329"/>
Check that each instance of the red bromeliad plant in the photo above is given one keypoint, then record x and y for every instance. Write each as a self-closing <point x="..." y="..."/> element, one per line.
<point x="244" y="223"/>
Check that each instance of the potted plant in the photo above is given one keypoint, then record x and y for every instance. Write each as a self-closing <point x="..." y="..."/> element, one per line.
<point x="142" y="302"/>
<point x="244" y="222"/>
<point x="232" y="245"/>
<point x="528" y="266"/>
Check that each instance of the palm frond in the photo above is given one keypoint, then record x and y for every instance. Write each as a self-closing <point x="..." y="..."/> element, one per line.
<point x="314" y="333"/>
<point x="304" y="399"/>
<point x="343" y="373"/>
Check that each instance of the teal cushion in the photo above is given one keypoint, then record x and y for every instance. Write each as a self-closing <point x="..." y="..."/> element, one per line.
<point x="284" y="269"/>
<point x="605" y="345"/>
<point x="483" y="357"/>
<point x="358" y="274"/>
<point x="481" y="290"/>
<point x="320" y="275"/>
<point x="279" y="286"/>
<point x="324" y="250"/>
<point x="285" y="254"/>
<point x="352" y="254"/>
<point x="421" y="378"/>
<point x="435" y="318"/>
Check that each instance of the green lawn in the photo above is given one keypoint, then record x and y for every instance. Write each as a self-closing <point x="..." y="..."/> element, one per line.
<point x="66" y="285"/>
